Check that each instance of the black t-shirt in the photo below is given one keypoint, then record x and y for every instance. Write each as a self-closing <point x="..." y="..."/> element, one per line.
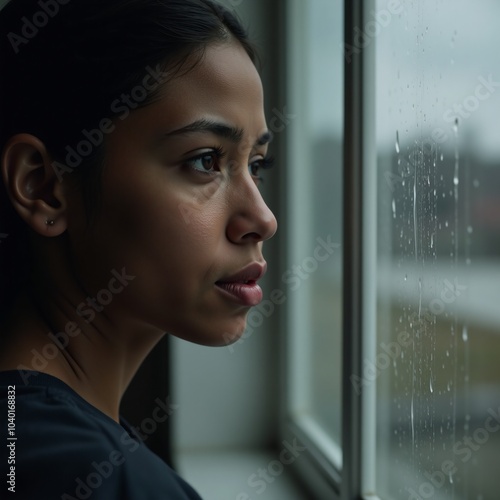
<point x="56" y="446"/>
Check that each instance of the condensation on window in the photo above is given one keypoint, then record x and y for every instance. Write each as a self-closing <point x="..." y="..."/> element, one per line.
<point x="436" y="369"/>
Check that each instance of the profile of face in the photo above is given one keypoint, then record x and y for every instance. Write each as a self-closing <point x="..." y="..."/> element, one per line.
<point x="181" y="206"/>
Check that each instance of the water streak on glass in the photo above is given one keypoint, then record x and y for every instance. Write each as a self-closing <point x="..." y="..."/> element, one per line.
<point x="438" y="249"/>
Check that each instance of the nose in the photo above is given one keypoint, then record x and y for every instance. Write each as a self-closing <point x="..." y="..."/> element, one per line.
<point x="251" y="219"/>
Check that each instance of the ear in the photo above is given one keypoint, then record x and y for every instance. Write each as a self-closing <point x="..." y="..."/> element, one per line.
<point x="32" y="185"/>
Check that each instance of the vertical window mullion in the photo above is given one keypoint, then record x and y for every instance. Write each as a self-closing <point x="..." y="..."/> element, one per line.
<point x="352" y="265"/>
<point x="359" y="313"/>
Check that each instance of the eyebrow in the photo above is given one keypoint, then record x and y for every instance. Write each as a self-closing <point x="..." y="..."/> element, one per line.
<point x="223" y="130"/>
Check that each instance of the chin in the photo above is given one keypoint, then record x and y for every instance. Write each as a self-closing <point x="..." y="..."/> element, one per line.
<point x="212" y="336"/>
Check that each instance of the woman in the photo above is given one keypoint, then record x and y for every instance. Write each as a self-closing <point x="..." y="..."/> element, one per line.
<point x="133" y="137"/>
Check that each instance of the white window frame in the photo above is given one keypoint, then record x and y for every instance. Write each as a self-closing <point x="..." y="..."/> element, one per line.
<point x="328" y="476"/>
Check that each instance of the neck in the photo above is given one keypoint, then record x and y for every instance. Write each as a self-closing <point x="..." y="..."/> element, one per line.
<point x="97" y="359"/>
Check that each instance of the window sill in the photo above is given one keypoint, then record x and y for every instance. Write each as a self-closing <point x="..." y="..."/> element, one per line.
<point x="234" y="475"/>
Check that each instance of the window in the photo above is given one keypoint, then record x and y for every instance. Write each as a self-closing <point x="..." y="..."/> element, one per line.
<point x="438" y="223"/>
<point x="314" y="270"/>
<point x="393" y="342"/>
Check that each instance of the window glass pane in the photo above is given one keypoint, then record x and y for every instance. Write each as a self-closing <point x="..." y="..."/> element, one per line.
<point x="436" y="368"/>
<point x="315" y="160"/>
<point x="325" y="142"/>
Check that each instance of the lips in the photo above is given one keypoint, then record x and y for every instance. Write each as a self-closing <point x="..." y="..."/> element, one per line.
<point x="242" y="286"/>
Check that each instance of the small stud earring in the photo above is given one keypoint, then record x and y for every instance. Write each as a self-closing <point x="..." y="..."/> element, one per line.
<point x="49" y="222"/>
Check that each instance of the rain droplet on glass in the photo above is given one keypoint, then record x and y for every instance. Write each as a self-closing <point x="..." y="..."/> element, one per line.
<point x="465" y="334"/>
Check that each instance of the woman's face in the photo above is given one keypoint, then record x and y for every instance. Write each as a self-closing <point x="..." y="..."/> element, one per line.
<point x="181" y="209"/>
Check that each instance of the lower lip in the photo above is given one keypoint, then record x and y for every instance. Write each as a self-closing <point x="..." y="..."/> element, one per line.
<point x="245" y="294"/>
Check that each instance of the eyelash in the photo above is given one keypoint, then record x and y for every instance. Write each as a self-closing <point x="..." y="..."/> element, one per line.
<point x="265" y="163"/>
<point x="218" y="153"/>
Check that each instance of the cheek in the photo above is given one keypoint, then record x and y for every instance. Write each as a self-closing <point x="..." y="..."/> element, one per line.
<point x="159" y="234"/>
<point x="163" y="231"/>
<point x="171" y="222"/>
<point x="176" y="264"/>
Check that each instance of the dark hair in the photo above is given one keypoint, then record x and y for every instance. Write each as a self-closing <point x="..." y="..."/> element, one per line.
<point x="62" y="66"/>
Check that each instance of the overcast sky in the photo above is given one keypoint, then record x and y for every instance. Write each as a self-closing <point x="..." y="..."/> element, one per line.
<point x="429" y="59"/>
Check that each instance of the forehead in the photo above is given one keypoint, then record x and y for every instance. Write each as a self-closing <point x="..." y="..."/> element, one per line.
<point x="225" y="84"/>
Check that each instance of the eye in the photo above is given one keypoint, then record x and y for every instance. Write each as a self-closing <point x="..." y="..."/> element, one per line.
<point x="257" y="166"/>
<point x="206" y="162"/>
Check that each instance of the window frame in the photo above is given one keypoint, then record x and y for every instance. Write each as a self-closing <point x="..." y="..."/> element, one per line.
<point x="356" y="478"/>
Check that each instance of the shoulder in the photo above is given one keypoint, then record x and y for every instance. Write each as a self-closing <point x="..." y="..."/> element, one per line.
<point x="58" y="445"/>
<point x="67" y="449"/>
